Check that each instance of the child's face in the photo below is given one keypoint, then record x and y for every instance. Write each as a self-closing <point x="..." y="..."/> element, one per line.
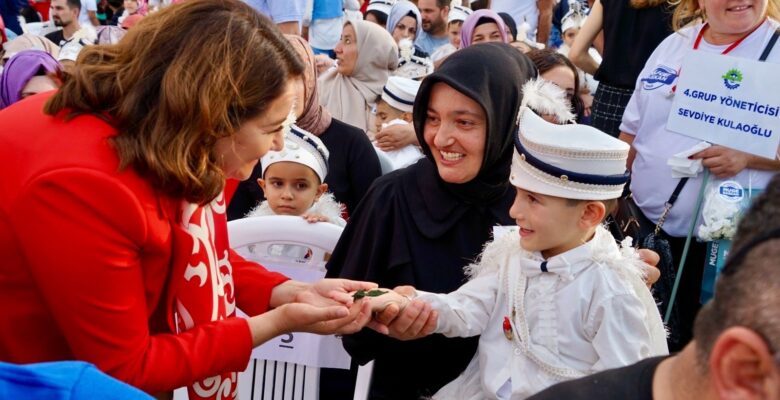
<point x="453" y="29"/>
<point x="385" y="114"/>
<point x="548" y="224"/>
<point x="569" y="35"/>
<point x="291" y="188"/>
<point x="131" y="6"/>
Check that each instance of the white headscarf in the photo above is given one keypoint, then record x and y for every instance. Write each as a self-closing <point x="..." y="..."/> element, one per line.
<point x="399" y="11"/>
<point x="348" y="97"/>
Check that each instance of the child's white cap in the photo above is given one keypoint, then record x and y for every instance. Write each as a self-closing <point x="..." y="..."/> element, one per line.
<point x="575" y="18"/>
<point x="380" y="5"/>
<point x="458" y="12"/>
<point x="400" y="92"/>
<point x="569" y="161"/>
<point x="300" y="147"/>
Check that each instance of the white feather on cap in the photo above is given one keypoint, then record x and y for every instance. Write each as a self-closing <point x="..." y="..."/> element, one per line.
<point x="547" y="98"/>
<point x="574" y="18"/>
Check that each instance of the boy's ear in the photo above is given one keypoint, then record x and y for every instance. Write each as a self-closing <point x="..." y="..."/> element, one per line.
<point x="407" y="116"/>
<point x="261" y="183"/>
<point x="593" y="213"/>
<point x="321" y="190"/>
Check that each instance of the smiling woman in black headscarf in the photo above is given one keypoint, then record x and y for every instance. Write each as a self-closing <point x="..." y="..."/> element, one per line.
<point x="421" y="225"/>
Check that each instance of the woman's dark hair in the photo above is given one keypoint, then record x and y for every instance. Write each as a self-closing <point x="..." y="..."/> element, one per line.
<point x="380" y="16"/>
<point x="173" y="86"/>
<point x="547" y="59"/>
<point x="485" y="20"/>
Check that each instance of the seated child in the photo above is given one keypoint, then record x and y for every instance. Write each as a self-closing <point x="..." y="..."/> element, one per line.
<point x="395" y="108"/>
<point x="457" y="15"/>
<point x="293" y="181"/>
<point x="564" y="301"/>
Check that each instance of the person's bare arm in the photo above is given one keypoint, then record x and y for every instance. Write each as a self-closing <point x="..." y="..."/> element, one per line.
<point x="93" y="18"/>
<point x="631" y="153"/>
<point x="289" y="28"/>
<point x="545" y="20"/>
<point x="579" y="49"/>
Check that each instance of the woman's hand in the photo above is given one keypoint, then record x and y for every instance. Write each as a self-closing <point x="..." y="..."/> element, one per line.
<point x="722" y="161"/>
<point x="394" y="137"/>
<point x="322" y="63"/>
<point x="301" y="317"/>
<point x="651" y="259"/>
<point x="329" y="292"/>
<point x="414" y="321"/>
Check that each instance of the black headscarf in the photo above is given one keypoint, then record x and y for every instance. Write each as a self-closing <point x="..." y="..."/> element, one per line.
<point x="510" y="23"/>
<point x="482" y="73"/>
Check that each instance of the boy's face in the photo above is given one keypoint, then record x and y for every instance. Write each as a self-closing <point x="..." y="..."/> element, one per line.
<point x="569" y="35"/>
<point x="453" y="30"/>
<point x="291" y="188"/>
<point x="385" y="114"/>
<point x="547" y="224"/>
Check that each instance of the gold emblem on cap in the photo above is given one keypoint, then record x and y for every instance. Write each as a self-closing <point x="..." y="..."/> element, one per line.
<point x="522" y="156"/>
<point x="564" y="178"/>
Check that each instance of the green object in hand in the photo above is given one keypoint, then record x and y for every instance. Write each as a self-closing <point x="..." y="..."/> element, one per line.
<point x="370" y="293"/>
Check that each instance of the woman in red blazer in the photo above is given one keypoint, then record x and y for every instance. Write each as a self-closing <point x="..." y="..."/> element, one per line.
<point x="112" y="219"/>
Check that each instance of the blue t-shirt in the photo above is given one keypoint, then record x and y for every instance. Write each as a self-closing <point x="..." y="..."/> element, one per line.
<point x="428" y="43"/>
<point x="280" y="10"/>
<point x="65" y="380"/>
<point x="326" y="9"/>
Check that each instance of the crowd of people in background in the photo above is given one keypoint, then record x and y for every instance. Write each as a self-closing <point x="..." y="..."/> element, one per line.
<point x="132" y="131"/>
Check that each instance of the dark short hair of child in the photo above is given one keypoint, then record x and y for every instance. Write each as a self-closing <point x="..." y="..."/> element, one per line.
<point x="457" y="21"/>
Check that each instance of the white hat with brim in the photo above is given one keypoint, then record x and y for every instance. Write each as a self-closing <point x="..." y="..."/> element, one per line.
<point x="300" y="147"/>
<point x="568" y="161"/>
<point x="381" y="6"/>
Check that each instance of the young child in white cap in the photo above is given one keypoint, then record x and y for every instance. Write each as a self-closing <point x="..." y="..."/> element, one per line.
<point x="565" y="300"/>
<point x="571" y="23"/>
<point x="293" y="181"/>
<point x="457" y="15"/>
<point x="395" y="108"/>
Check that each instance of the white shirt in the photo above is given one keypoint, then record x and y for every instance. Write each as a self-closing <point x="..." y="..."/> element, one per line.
<point x="324" y="34"/>
<point x="580" y="321"/>
<point x="87" y="5"/>
<point x="646" y="115"/>
<point x="521" y="11"/>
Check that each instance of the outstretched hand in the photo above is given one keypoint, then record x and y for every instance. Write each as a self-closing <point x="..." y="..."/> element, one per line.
<point x="301" y="317"/>
<point x="330" y="292"/>
<point x="413" y="321"/>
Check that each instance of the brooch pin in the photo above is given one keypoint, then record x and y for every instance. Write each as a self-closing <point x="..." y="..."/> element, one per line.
<point x="507" y="329"/>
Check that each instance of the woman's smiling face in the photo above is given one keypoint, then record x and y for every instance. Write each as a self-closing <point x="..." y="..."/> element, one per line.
<point x="455" y="130"/>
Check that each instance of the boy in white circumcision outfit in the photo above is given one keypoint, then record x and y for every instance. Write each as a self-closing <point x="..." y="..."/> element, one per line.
<point x="564" y="300"/>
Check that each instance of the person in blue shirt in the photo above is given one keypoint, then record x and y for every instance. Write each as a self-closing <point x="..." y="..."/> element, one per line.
<point x="64" y="380"/>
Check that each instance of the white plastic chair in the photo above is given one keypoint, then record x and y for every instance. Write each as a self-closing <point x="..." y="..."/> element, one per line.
<point x="256" y="239"/>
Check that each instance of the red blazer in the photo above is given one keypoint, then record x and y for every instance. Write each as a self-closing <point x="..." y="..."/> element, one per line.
<point x="92" y="257"/>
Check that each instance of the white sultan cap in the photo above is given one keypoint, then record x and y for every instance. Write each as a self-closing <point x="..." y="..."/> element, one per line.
<point x="300" y="147"/>
<point x="569" y="161"/>
<point x="458" y="12"/>
<point x="400" y="92"/>
<point x="380" y="5"/>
